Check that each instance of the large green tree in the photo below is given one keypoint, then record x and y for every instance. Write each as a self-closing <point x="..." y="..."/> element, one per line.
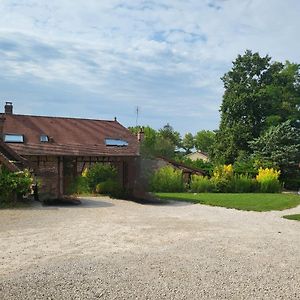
<point x="204" y="140"/>
<point x="258" y="94"/>
<point x="279" y="146"/>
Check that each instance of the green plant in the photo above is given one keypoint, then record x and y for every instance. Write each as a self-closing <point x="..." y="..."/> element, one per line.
<point x="79" y="186"/>
<point x="268" y="180"/>
<point x="201" y="184"/>
<point x="99" y="173"/>
<point x="167" y="179"/>
<point x="107" y="187"/>
<point x="14" y="185"/>
<point x="243" y="184"/>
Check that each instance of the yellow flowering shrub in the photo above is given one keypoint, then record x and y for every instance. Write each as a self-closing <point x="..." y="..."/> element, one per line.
<point x="225" y="172"/>
<point x="268" y="180"/>
<point x="267" y="174"/>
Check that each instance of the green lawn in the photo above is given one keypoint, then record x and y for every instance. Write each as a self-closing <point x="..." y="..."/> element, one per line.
<point x="292" y="217"/>
<point x="253" y="202"/>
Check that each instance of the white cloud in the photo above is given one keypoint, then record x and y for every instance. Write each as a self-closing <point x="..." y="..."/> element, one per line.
<point x="166" y="55"/>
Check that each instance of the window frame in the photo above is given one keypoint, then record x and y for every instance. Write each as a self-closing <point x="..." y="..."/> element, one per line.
<point x="6" y="135"/>
<point x="123" y="143"/>
<point x="44" y="141"/>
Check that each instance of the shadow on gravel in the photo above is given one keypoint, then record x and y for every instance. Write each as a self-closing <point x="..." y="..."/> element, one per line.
<point x="158" y="202"/>
<point x="74" y="203"/>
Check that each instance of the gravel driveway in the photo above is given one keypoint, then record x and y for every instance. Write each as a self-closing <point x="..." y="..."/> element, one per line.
<point x="113" y="249"/>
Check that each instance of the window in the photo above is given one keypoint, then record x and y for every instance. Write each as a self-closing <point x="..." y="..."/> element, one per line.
<point x="44" y="138"/>
<point x="116" y="143"/>
<point x="14" y="138"/>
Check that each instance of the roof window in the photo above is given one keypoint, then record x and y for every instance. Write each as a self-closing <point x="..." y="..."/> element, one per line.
<point x="14" y="138"/>
<point x="44" y="138"/>
<point x="116" y="143"/>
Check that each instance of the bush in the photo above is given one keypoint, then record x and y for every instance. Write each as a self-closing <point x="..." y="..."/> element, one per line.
<point x="243" y="184"/>
<point x="221" y="185"/>
<point x="167" y="179"/>
<point x="79" y="186"/>
<point x="201" y="184"/>
<point x="107" y="187"/>
<point x="99" y="173"/>
<point x="14" y="185"/>
<point x="268" y="180"/>
<point x="223" y="172"/>
<point x="222" y="177"/>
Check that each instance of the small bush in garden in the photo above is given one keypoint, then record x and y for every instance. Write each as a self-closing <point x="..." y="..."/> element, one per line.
<point x="201" y="184"/>
<point x="107" y="187"/>
<point x="220" y="184"/>
<point x="243" y="184"/>
<point x="99" y="173"/>
<point x="224" y="172"/>
<point x="222" y="177"/>
<point x="268" y="180"/>
<point x="79" y="186"/>
<point x="167" y="179"/>
<point x="14" y="184"/>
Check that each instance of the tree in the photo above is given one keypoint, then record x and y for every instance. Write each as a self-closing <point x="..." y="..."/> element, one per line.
<point x="279" y="145"/>
<point x="168" y="133"/>
<point x="158" y="143"/>
<point x="204" y="140"/>
<point x="188" y="143"/>
<point x="258" y="94"/>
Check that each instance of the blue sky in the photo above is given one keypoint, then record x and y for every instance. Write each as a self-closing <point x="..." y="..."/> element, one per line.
<point x="100" y="59"/>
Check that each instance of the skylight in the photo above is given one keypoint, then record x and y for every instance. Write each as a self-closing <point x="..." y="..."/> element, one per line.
<point x="44" y="138"/>
<point x="116" y="143"/>
<point x="14" y="138"/>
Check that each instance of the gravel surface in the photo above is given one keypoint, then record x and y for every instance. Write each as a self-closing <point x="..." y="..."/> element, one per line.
<point x="113" y="249"/>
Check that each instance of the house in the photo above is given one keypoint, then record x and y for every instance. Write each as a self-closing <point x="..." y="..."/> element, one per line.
<point x="198" y="155"/>
<point x="58" y="149"/>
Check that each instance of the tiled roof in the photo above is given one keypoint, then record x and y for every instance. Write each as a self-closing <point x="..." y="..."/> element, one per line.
<point x="68" y="136"/>
<point x="11" y="159"/>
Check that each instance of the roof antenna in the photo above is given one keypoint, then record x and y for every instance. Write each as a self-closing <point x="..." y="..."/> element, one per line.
<point x="137" y="111"/>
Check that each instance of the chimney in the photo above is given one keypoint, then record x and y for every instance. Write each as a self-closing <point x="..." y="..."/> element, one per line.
<point x="8" y="108"/>
<point x="140" y="134"/>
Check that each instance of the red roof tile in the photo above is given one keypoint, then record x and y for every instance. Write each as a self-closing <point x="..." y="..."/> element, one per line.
<point x="70" y="136"/>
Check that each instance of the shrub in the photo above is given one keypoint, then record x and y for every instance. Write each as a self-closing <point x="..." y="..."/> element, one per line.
<point x="107" y="187"/>
<point x="79" y="186"/>
<point x="99" y="173"/>
<point x="268" y="180"/>
<point x="14" y="184"/>
<point x="201" y="184"/>
<point x="220" y="185"/>
<point x="167" y="179"/>
<point x="243" y="184"/>
<point x="222" y="177"/>
<point x="223" y="172"/>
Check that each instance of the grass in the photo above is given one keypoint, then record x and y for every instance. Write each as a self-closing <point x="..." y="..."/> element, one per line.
<point x="292" y="217"/>
<point x="248" y="202"/>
